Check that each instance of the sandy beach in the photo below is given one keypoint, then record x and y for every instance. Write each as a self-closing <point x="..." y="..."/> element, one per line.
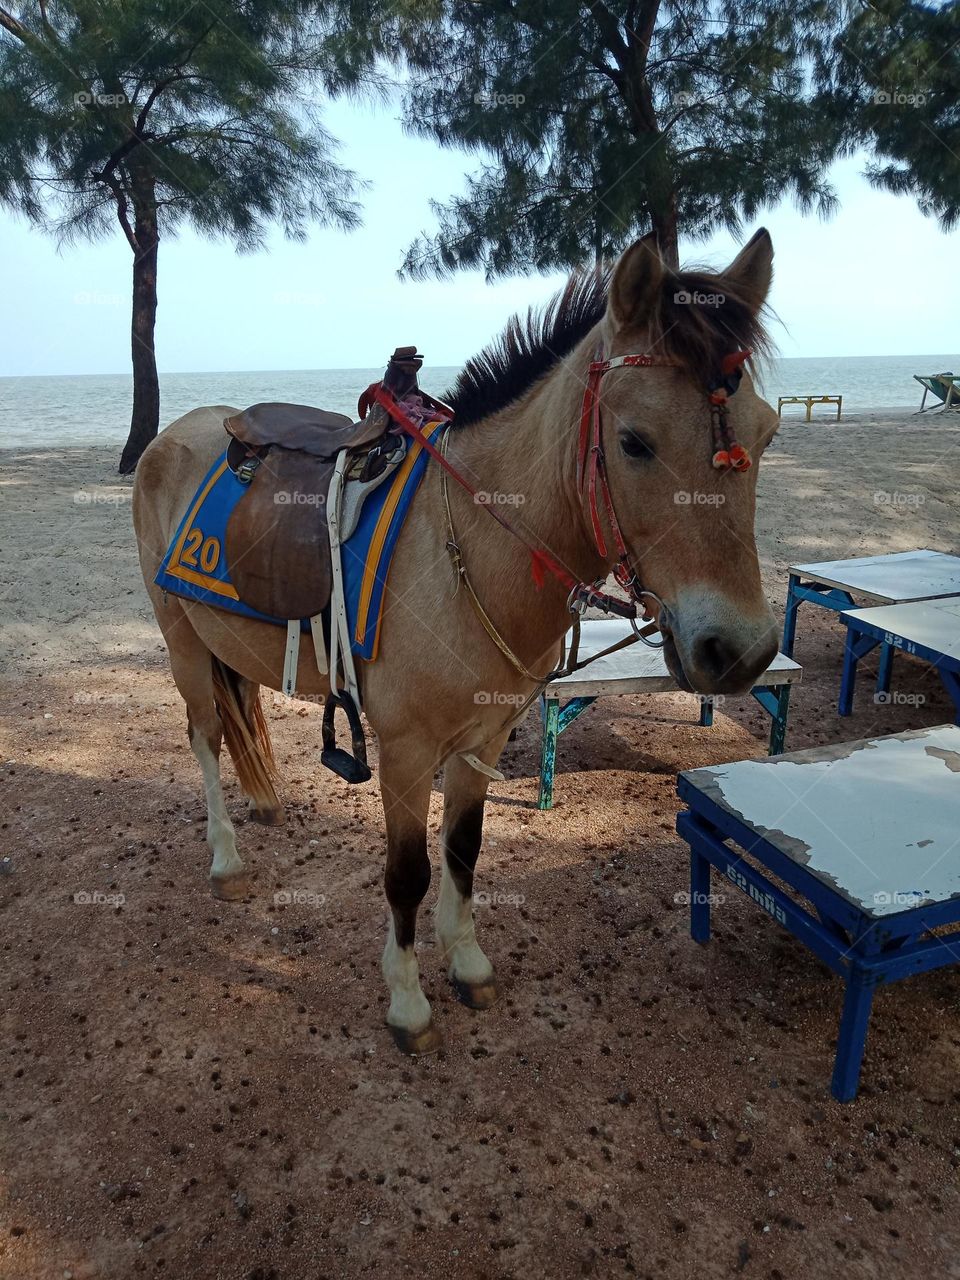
<point x="192" y="1088"/>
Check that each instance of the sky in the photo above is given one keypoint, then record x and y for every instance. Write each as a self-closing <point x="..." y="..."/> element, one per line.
<point x="876" y="279"/>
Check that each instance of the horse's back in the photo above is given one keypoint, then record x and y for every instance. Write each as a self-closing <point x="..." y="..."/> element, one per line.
<point x="172" y="467"/>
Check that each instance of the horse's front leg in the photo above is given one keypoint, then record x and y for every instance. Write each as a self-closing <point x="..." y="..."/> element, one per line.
<point x="406" y="778"/>
<point x="471" y="973"/>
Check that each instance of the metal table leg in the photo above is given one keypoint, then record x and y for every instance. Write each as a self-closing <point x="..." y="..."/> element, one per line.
<point x="857" y="645"/>
<point x="853" y="1034"/>
<point x="790" y="617"/>
<point x="550" y="710"/>
<point x="775" y="700"/>
<point x="555" y="720"/>
<point x="699" y="897"/>
<point x="885" y="668"/>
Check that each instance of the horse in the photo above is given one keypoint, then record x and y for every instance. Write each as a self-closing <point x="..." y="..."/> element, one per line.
<point x="442" y="693"/>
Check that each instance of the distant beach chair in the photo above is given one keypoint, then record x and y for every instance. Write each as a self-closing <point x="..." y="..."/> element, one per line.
<point x="945" y="386"/>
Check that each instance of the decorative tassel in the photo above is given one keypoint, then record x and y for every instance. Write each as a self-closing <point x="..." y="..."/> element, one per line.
<point x="740" y="459"/>
<point x="718" y="423"/>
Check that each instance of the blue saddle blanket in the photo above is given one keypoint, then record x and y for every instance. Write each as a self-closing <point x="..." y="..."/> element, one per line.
<point x="195" y="565"/>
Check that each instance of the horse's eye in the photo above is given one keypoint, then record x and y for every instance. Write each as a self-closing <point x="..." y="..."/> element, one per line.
<point x="635" y="446"/>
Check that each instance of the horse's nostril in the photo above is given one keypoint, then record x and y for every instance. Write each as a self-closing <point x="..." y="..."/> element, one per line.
<point x="725" y="663"/>
<point x="715" y="656"/>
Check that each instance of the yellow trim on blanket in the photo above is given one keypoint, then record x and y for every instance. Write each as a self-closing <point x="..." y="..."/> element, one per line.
<point x="178" y="570"/>
<point x="200" y="580"/>
<point x="376" y="545"/>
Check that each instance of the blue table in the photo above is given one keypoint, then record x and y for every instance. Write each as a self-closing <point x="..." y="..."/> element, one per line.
<point x="866" y="832"/>
<point x="639" y="669"/>
<point x="930" y="630"/>
<point x="892" y="579"/>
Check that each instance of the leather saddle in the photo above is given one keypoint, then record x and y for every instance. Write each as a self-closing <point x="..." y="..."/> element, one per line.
<point x="277" y="541"/>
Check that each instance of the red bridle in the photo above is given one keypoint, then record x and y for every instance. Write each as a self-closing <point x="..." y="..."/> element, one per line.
<point x="591" y="464"/>
<point x="591" y="470"/>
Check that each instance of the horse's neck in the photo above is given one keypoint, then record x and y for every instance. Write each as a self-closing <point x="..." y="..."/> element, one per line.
<point x="525" y="458"/>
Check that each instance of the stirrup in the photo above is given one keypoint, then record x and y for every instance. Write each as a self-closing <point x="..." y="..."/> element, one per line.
<point x="352" y="768"/>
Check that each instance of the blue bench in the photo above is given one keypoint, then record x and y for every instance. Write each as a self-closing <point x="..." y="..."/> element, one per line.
<point x="929" y="630"/>
<point x="866" y="833"/>
<point x="891" y="579"/>
<point x="638" y="669"/>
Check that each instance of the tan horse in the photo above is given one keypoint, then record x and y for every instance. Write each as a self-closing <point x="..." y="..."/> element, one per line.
<point x="441" y="687"/>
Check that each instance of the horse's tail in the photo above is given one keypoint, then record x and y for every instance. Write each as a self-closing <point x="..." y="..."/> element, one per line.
<point x="247" y="738"/>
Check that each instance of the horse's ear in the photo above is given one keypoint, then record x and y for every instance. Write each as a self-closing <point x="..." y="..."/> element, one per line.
<point x="635" y="283"/>
<point x="752" y="269"/>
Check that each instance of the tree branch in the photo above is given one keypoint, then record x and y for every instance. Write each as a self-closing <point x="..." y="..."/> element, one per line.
<point x="610" y="31"/>
<point x="123" y="214"/>
<point x="15" y="27"/>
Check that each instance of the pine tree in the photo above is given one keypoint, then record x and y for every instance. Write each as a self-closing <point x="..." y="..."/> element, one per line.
<point x="149" y="115"/>
<point x="603" y="120"/>
<point x="896" y="77"/>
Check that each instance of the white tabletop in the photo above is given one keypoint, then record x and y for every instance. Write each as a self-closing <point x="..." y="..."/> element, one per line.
<point x="934" y="624"/>
<point x="637" y="668"/>
<point x="900" y="576"/>
<point x="875" y="820"/>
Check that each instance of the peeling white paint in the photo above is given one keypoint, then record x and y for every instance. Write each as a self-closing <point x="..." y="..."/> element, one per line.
<point x="879" y="820"/>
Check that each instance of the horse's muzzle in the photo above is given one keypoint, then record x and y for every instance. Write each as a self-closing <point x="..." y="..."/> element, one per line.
<point x="717" y="650"/>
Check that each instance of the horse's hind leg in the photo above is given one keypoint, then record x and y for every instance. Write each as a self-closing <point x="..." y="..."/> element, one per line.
<point x="192" y="665"/>
<point x="471" y="973"/>
<point x="406" y="777"/>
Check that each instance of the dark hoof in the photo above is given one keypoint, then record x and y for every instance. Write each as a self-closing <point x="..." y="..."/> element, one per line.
<point x="230" y="888"/>
<point x="476" y="995"/>
<point x="416" y="1043"/>
<point x="266" y="817"/>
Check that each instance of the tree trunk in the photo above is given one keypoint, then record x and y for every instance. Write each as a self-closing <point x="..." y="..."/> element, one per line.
<point x="665" y="225"/>
<point x="145" y="417"/>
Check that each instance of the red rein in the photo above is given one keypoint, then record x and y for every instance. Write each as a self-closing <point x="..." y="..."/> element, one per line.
<point x="540" y="561"/>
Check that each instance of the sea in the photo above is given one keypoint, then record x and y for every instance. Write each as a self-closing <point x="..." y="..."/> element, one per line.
<point x="94" y="409"/>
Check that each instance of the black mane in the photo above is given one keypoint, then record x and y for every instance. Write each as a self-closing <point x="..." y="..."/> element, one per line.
<point x="528" y="348"/>
<point x="698" y="318"/>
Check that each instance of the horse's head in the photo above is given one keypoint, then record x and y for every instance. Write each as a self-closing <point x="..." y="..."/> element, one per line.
<point x="689" y="526"/>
